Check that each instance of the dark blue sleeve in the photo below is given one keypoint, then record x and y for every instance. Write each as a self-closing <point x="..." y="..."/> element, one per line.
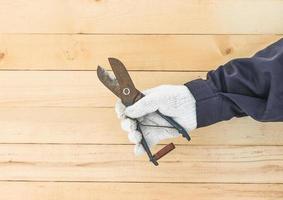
<point x="242" y="87"/>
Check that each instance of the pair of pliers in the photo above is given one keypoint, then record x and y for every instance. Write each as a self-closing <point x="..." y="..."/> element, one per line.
<point x="123" y="87"/>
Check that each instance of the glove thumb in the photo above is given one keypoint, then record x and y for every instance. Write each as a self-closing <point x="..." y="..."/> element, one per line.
<point x="142" y="107"/>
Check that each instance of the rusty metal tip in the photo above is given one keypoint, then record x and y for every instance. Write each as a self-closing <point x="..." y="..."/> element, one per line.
<point x="104" y="74"/>
<point x="113" y="60"/>
<point x="100" y="72"/>
<point x="99" y="69"/>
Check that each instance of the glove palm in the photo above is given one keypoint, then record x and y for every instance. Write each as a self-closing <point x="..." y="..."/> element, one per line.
<point x="175" y="101"/>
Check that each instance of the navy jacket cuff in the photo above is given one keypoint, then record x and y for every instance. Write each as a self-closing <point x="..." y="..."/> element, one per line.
<point x="211" y="106"/>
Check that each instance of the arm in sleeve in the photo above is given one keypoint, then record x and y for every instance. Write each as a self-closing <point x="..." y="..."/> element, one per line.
<point x="242" y="87"/>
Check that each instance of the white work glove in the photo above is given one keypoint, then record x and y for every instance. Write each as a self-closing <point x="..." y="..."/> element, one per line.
<point x="175" y="101"/>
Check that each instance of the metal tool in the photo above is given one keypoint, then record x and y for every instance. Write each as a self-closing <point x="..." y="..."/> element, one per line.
<point x="123" y="87"/>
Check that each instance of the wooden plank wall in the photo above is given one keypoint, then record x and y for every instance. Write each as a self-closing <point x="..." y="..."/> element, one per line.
<point x="59" y="137"/>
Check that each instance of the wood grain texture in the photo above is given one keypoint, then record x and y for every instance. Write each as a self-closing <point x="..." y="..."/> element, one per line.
<point x="193" y="164"/>
<point x="138" y="52"/>
<point x="100" y="126"/>
<point x="129" y="191"/>
<point x="73" y="88"/>
<point x="145" y="16"/>
<point x="63" y="107"/>
<point x="59" y="136"/>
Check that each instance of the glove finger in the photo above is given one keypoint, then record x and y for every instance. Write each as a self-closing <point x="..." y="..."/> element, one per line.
<point x="128" y="125"/>
<point x="135" y="137"/>
<point x="155" y="119"/>
<point x="142" y="107"/>
<point x="120" y="109"/>
<point x="152" y="139"/>
<point x="155" y="134"/>
<point x="139" y="150"/>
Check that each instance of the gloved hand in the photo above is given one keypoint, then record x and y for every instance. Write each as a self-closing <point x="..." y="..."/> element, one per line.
<point x="175" y="101"/>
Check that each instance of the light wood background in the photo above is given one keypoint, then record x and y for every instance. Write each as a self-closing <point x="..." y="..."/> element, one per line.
<point x="59" y="137"/>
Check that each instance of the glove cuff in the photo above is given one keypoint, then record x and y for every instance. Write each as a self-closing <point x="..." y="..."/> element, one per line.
<point x="191" y="116"/>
